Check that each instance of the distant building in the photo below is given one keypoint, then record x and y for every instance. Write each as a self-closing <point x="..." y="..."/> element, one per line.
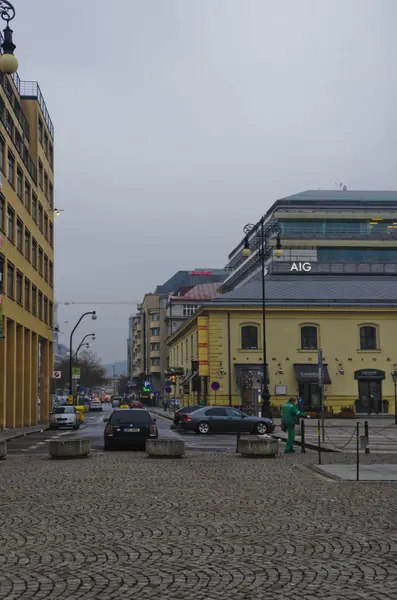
<point x="183" y="306"/>
<point x="190" y="279"/>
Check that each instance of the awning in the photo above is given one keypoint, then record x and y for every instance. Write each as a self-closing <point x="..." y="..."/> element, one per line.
<point x="309" y="374"/>
<point x="184" y="378"/>
<point x="369" y="374"/>
<point x="255" y="368"/>
<point x="189" y="377"/>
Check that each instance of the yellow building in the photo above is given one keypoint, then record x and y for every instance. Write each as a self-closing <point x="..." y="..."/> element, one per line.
<point x="27" y="255"/>
<point x="352" y="319"/>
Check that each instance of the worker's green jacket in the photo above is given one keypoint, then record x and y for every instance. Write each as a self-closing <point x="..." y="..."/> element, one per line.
<point x="289" y="414"/>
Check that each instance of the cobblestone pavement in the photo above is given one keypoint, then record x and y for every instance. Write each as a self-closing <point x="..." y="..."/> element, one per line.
<point x="208" y="527"/>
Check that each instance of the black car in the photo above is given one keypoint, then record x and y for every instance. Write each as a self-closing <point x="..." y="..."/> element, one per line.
<point x="129" y="427"/>
<point x="117" y="401"/>
<point x="224" y="419"/>
<point x="184" y="411"/>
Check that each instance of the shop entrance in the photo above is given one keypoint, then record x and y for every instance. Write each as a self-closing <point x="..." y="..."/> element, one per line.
<point x="369" y="391"/>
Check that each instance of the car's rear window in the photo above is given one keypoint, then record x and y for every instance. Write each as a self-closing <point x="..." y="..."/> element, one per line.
<point x="60" y="410"/>
<point x="131" y="416"/>
<point x="189" y="409"/>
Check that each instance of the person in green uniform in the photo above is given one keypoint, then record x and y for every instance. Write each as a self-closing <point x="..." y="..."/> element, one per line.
<point x="289" y="416"/>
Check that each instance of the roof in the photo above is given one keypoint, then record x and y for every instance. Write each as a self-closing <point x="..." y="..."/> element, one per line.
<point x="338" y="195"/>
<point x="306" y="289"/>
<point x="203" y="291"/>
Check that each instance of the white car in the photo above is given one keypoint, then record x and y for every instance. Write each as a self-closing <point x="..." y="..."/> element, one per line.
<point x="95" y="406"/>
<point x="64" y="416"/>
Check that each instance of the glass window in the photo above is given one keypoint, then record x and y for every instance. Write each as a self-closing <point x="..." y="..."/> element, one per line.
<point x="249" y="337"/>
<point x="51" y="195"/>
<point x="10" y="280"/>
<point x="50" y="314"/>
<point x="19" y="235"/>
<point x="46" y="143"/>
<point x="27" y="195"/>
<point x="41" y="131"/>
<point x="64" y="410"/>
<point x="155" y="316"/>
<point x="34" y="300"/>
<point x="10" y="224"/>
<point x="232" y="412"/>
<point x="46" y="267"/>
<point x="19" y="287"/>
<point x="155" y="346"/>
<point x="2" y="214"/>
<point x="131" y="417"/>
<point x="155" y="361"/>
<point x="155" y="331"/>
<point x="309" y="337"/>
<point x="51" y="234"/>
<point x="40" y="305"/>
<point x="51" y="269"/>
<point x="2" y="146"/>
<point x="40" y="223"/>
<point x="9" y="124"/>
<point x="368" y="338"/>
<point x="19" y="183"/>
<point x="11" y="168"/>
<point x="34" y="207"/>
<point x="34" y="253"/>
<point x="51" y="155"/>
<point x="360" y="255"/>
<point x="27" y="244"/>
<point x="189" y="309"/>
<point x="40" y="260"/>
<point x="216" y="412"/>
<point x="40" y="174"/>
<point x="46" y="226"/>
<point x="27" y="294"/>
<point x="45" y="184"/>
<point x="45" y="310"/>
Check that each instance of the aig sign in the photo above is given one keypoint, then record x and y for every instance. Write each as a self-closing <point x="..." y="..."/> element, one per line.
<point x="299" y="267"/>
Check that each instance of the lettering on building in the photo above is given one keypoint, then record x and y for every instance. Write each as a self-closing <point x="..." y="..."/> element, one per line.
<point x="301" y="266"/>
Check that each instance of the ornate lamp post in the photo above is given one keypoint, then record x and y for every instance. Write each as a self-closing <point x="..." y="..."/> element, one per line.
<point x="8" y="62"/>
<point x="263" y="234"/>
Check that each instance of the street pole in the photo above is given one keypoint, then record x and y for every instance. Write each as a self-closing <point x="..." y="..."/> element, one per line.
<point x="394" y="375"/>
<point x="265" y="408"/>
<point x="321" y="388"/>
<point x="93" y="316"/>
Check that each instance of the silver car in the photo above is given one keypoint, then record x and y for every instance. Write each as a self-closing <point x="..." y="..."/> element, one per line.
<point x="64" y="416"/>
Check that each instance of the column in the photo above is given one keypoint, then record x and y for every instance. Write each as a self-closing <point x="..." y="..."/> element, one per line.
<point x="34" y="379"/>
<point x="3" y="376"/>
<point x="27" y="413"/>
<point x="11" y="373"/>
<point x="44" y="381"/>
<point x="20" y="380"/>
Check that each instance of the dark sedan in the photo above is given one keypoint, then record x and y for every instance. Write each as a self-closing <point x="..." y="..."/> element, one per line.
<point x="226" y="420"/>
<point x="184" y="411"/>
<point x="129" y="427"/>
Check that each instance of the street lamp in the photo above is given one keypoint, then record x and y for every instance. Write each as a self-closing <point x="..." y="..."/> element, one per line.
<point x="394" y="375"/>
<point x="93" y="317"/>
<point x="82" y="344"/>
<point x="263" y="233"/>
<point x="8" y="62"/>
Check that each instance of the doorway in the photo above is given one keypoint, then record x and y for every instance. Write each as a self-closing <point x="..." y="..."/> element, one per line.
<point x="369" y="396"/>
<point x="310" y="393"/>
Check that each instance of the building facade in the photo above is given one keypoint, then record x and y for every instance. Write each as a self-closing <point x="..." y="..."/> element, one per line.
<point x="185" y="304"/>
<point x="26" y="254"/>
<point x="352" y="320"/>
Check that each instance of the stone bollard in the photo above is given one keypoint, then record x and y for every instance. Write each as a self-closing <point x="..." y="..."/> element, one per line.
<point x="165" y="448"/>
<point x="258" y="446"/>
<point x="79" y="448"/>
<point x="3" y="450"/>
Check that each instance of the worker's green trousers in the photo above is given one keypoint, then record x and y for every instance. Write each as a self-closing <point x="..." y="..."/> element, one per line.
<point x="291" y="438"/>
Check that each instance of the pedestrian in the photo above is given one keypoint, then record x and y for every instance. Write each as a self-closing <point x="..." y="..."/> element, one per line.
<point x="289" y="417"/>
<point x="165" y="405"/>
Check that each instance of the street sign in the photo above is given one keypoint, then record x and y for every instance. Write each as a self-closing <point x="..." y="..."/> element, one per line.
<point x="168" y="389"/>
<point x="76" y="372"/>
<point x="215" y="385"/>
<point x="57" y="374"/>
<point x="82" y="388"/>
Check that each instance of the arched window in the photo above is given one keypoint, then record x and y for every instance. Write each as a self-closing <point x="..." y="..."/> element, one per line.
<point x="368" y="337"/>
<point x="309" y="339"/>
<point x="249" y="337"/>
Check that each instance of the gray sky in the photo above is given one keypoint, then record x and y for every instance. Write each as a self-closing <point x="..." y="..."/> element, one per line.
<point x="178" y="121"/>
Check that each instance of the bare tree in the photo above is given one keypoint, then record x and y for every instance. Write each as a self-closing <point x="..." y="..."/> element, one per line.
<point x="93" y="373"/>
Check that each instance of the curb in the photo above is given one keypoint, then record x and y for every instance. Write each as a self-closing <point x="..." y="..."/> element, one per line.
<point x="169" y="417"/>
<point x="308" y="445"/>
<point x="15" y="436"/>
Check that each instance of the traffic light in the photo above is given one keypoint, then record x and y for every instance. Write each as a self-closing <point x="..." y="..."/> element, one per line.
<point x="173" y="378"/>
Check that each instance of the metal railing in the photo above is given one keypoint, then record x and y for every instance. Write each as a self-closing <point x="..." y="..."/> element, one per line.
<point x="31" y="89"/>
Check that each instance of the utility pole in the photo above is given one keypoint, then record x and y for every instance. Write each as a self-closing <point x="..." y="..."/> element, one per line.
<point x="321" y="388"/>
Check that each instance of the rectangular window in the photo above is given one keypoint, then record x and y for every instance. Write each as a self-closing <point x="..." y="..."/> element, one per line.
<point x="51" y="155"/>
<point x="10" y="224"/>
<point x="40" y="261"/>
<point x="40" y="174"/>
<point x="155" y="331"/>
<point x="40" y="305"/>
<point x="9" y="124"/>
<point x="34" y="207"/>
<point x="27" y="195"/>
<point x="19" y="287"/>
<point x="51" y="269"/>
<point x="46" y="267"/>
<point x="2" y="146"/>
<point x="155" y="361"/>
<point x="45" y="310"/>
<point x="155" y="316"/>
<point x="46" y="226"/>
<point x="34" y="253"/>
<point x="18" y="141"/>
<point x="19" y="235"/>
<point x="50" y="314"/>
<point x="45" y="184"/>
<point x="27" y="294"/>
<point x="155" y="346"/>
<point x="51" y="195"/>
<point x="34" y="300"/>
<point x="19" y="183"/>
<point x="27" y="244"/>
<point x="10" y="280"/>
<point x="46" y="143"/>
<point x="2" y="214"/>
<point x="40" y="222"/>
<point x="41" y="130"/>
<point x="51" y="234"/>
<point x="189" y="309"/>
<point x="11" y="168"/>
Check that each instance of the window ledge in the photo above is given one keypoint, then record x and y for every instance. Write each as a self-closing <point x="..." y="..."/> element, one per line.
<point x="307" y="350"/>
<point x="377" y="351"/>
<point x="249" y="350"/>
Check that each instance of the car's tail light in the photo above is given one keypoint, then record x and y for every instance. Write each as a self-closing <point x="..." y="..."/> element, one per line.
<point x="152" y="428"/>
<point x="109" y="429"/>
<point x="186" y="418"/>
<point x="177" y="414"/>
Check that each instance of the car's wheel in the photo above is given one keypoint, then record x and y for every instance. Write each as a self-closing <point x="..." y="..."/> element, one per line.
<point x="260" y="428"/>
<point x="203" y="428"/>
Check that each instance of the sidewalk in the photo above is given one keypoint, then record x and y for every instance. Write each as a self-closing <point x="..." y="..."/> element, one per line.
<point x="161" y="413"/>
<point x="11" y="434"/>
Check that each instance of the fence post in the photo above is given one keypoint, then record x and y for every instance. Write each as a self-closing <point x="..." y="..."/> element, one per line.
<point x="303" y="447"/>
<point x="366" y="433"/>
<point x="319" y="441"/>
<point x="358" y="452"/>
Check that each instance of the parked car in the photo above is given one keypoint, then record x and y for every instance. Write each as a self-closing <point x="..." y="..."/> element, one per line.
<point x="136" y="404"/>
<point x="117" y="401"/>
<point x="129" y="427"/>
<point x="64" y="416"/>
<point x="96" y="406"/>
<point x="226" y="420"/>
<point x="184" y="411"/>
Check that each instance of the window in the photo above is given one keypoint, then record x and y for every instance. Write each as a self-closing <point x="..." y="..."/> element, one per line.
<point x="19" y="235"/>
<point x="155" y="346"/>
<point x="45" y="310"/>
<point x="2" y="214"/>
<point x="51" y="195"/>
<point x="50" y="314"/>
<point x="9" y="124"/>
<point x="27" y="196"/>
<point x="34" y="253"/>
<point x="10" y="280"/>
<point x="41" y="130"/>
<point x="27" y="244"/>
<point x="40" y="174"/>
<point x="40" y="223"/>
<point x="27" y="294"/>
<point x="18" y="141"/>
<point x="155" y="316"/>
<point x="368" y="339"/>
<point x="10" y="224"/>
<point x="51" y="155"/>
<point x="189" y="309"/>
<point x="249" y="337"/>
<point x="19" y="183"/>
<point x="375" y="254"/>
<point x="11" y="168"/>
<point x="46" y="226"/>
<point x="309" y="337"/>
<point x="2" y="154"/>
<point x="163" y="302"/>
<point x="40" y="261"/>
<point x="51" y="234"/>
<point x="34" y="207"/>
<point x="155" y="361"/>
<point x="40" y="305"/>
<point x="216" y="412"/>
<point x="19" y="287"/>
<point x="34" y="300"/>
<point x="46" y="143"/>
<point x="155" y="331"/>
<point x="51" y="274"/>
<point x="45" y="184"/>
<point x="46" y="267"/>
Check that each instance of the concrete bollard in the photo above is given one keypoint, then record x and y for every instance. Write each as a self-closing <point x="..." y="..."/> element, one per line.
<point x="258" y="446"/>
<point x="165" y="448"/>
<point x="79" y="448"/>
<point x="3" y="450"/>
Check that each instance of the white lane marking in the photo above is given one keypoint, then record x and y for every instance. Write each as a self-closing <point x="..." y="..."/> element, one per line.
<point x="40" y="444"/>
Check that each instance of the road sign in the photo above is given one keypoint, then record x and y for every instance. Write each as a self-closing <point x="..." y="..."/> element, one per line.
<point x="168" y="389"/>
<point x="82" y="388"/>
<point x="57" y="374"/>
<point x="215" y="385"/>
<point x="76" y="372"/>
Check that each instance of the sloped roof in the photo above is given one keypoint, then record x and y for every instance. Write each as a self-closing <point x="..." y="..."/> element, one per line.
<point x="203" y="291"/>
<point x="326" y="195"/>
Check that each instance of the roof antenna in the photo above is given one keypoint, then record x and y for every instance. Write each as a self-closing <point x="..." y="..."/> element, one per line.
<point x="341" y="186"/>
